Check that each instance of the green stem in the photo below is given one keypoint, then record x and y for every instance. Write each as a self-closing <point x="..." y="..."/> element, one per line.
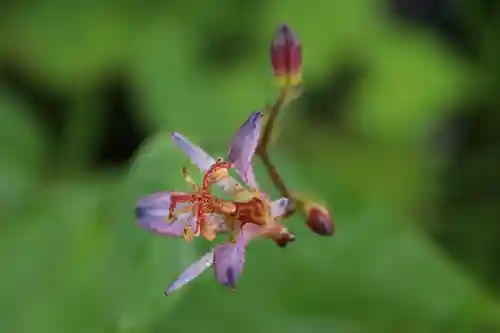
<point x="262" y="149"/>
<point x="263" y="153"/>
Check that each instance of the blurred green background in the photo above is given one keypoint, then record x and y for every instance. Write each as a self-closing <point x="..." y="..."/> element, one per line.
<point x="398" y="132"/>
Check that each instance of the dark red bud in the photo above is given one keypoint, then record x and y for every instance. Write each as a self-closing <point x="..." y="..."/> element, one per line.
<point x="286" y="56"/>
<point x="319" y="220"/>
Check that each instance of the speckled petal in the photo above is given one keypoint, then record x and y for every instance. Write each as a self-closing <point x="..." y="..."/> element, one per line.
<point x="152" y="212"/>
<point x="243" y="146"/>
<point x="203" y="160"/>
<point x="229" y="258"/>
<point x="280" y="207"/>
<point x="193" y="271"/>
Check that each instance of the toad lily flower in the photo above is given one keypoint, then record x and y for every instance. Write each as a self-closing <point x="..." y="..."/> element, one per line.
<point x="228" y="258"/>
<point x="251" y="215"/>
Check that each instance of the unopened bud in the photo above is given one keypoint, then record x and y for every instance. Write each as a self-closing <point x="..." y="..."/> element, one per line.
<point x="319" y="220"/>
<point x="286" y="57"/>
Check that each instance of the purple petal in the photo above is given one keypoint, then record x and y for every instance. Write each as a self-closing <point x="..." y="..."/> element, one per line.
<point x="243" y="146"/>
<point x="195" y="153"/>
<point x="152" y="213"/>
<point x="193" y="271"/>
<point x="203" y="160"/>
<point x="229" y="258"/>
<point x="280" y="207"/>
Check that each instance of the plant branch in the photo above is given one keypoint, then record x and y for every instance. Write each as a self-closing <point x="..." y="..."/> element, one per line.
<point x="263" y="153"/>
<point x="262" y="149"/>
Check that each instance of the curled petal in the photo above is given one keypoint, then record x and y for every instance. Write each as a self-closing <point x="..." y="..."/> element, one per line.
<point x="192" y="272"/>
<point x="243" y="146"/>
<point x="280" y="207"/>
<point x="202" y="160"/>
<point x="319" y="220"/>
<point x="152" y="213"/>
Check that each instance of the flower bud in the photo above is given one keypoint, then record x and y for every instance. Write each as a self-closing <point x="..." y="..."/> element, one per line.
<point x="286" y="57"/>
<point x="319" y="220"/>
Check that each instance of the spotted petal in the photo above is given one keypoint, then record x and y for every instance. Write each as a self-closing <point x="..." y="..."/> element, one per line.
<point x="202" y="160"/>
<point x="193" y="271"/>
<point x="243" y="146"/>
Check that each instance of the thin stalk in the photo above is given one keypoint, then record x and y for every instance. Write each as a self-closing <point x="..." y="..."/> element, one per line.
<point x="263" y="149"/>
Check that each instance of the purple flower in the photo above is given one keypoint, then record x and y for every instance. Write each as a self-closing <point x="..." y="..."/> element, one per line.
<point x="228" y="258"/>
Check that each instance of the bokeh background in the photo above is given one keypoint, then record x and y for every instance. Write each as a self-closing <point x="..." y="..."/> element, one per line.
<point x="398" y="132"/>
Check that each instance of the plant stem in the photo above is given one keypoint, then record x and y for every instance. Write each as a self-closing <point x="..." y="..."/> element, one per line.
<point x="263" y="153"/>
